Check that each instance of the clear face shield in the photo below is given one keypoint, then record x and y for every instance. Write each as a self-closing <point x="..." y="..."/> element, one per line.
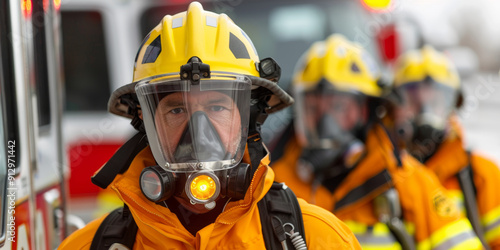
<point x="422" y="116"/>
<point x="195" y="129"/>
<point x="326" y="121"/>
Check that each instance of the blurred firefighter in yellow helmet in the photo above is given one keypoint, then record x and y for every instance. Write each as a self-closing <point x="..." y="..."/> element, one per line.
<point x="340" y="157"/>
<point x="200" y="180"/>
<point x="429" y="92"/>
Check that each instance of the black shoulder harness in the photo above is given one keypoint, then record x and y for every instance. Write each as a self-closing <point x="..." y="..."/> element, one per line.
<point x="118" y="228"/>
<point x="466" y="180"/>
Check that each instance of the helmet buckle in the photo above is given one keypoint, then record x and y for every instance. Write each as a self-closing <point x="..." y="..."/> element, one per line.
<point x="194" y="70"/>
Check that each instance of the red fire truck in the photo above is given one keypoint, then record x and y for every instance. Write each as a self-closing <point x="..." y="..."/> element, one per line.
<point x="33" y="168"/>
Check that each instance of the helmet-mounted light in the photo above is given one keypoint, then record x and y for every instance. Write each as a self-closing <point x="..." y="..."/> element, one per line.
<point x="269" y="69"/>
<point x="194" y="70"/>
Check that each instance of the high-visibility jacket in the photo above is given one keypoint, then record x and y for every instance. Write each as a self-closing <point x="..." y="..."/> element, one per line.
<point x="237" y="227"/>
<point x="429" y="215"/>
<point x="449" y="159"/>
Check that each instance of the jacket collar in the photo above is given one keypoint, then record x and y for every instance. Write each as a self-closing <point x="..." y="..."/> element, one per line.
<point x="451" y="156"/>
<point x="373" y="168"/>
<point x="158" y="222"/>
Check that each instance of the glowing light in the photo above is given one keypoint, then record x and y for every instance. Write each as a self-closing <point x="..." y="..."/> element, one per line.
<point x="26" y="7"/>
<point x="57" y="4"/>
<point x="203" y="187"/>
<point x="377" y="5"/>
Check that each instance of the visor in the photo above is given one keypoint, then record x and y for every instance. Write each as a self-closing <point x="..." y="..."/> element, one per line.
<point x="193" y="127"/>
<point x="327" y="118"/>
<point x="426" y="103"/>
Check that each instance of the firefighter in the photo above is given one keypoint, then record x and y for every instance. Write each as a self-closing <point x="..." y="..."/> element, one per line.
<point x="427" y="125"/>
<point x="341" y="158"/>
<point x="200" y="94"/>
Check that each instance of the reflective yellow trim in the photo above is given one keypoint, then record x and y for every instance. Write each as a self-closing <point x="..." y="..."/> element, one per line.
<point x="410" y="228"/>
<point x="377" y="238"/>
<point x="490" y="217"/>
<point x="394" y="246"/>
<point x="491" y="224"/>
<point x="424" y="245"/>
<point x="458" y="198"/>
<point x="356" y="227"/>
<point x="381" y="229"/>
<point x="471" y="243"/>
<point x="492" y="234"/>
<point x="456" y="235"/>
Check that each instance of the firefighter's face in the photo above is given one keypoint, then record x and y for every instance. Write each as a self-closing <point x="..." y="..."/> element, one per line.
<point x="422" y="98"/>
<point x="175" y="110"/>
<point x="344" y="109"/>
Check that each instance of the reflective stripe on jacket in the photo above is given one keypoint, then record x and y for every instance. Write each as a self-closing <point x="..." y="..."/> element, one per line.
<point x="237" y="227"/>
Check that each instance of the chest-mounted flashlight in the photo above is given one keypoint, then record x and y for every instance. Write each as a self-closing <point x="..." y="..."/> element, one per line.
<point x="202" y="187"/>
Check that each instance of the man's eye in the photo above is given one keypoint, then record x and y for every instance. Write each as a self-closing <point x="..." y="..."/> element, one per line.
<point x="217" y="108"/>
<point x="177" y="110"/>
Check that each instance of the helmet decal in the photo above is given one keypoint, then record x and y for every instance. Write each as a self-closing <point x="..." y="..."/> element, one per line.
<point x="238" y="47"/>
<point x="152" y="51"/>
<point x="355" y="68"/>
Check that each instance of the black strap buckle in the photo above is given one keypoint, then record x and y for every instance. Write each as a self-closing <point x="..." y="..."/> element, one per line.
<point x="194" y="70"/>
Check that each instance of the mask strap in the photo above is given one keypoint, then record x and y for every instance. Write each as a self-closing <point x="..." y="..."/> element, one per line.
<point x="256" y="149"/>
<point x="120" y="161"/>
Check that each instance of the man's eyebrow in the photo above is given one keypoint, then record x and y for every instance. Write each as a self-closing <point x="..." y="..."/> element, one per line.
<point x="219" y="100"/>
<point x="174" y="103"/>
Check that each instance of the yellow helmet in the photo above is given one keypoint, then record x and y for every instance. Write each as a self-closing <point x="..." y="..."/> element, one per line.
<point x="343" y="64"/>
<point x="427" y="64"/>
<point x="213" y="38"/>
<point x="334" y="79"/>
<point x="198" y="90"/>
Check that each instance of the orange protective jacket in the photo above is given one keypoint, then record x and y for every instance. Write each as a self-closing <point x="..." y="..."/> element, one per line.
<point x="449" y="159"/>
<point x="237" y="227"/>
<point x="429" y="216"/>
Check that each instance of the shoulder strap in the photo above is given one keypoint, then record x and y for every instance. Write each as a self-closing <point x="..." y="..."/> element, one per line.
<point x="120" y="161"/>
<point x="382" y="179"/>
<point x="118" y="230"/>
<point x="388" y="209"/>
<point x="466" y="181"/>
<point x="279" y="209"/>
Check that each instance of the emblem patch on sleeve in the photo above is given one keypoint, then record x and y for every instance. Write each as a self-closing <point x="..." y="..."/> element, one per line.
<point x="444" y="206"/>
